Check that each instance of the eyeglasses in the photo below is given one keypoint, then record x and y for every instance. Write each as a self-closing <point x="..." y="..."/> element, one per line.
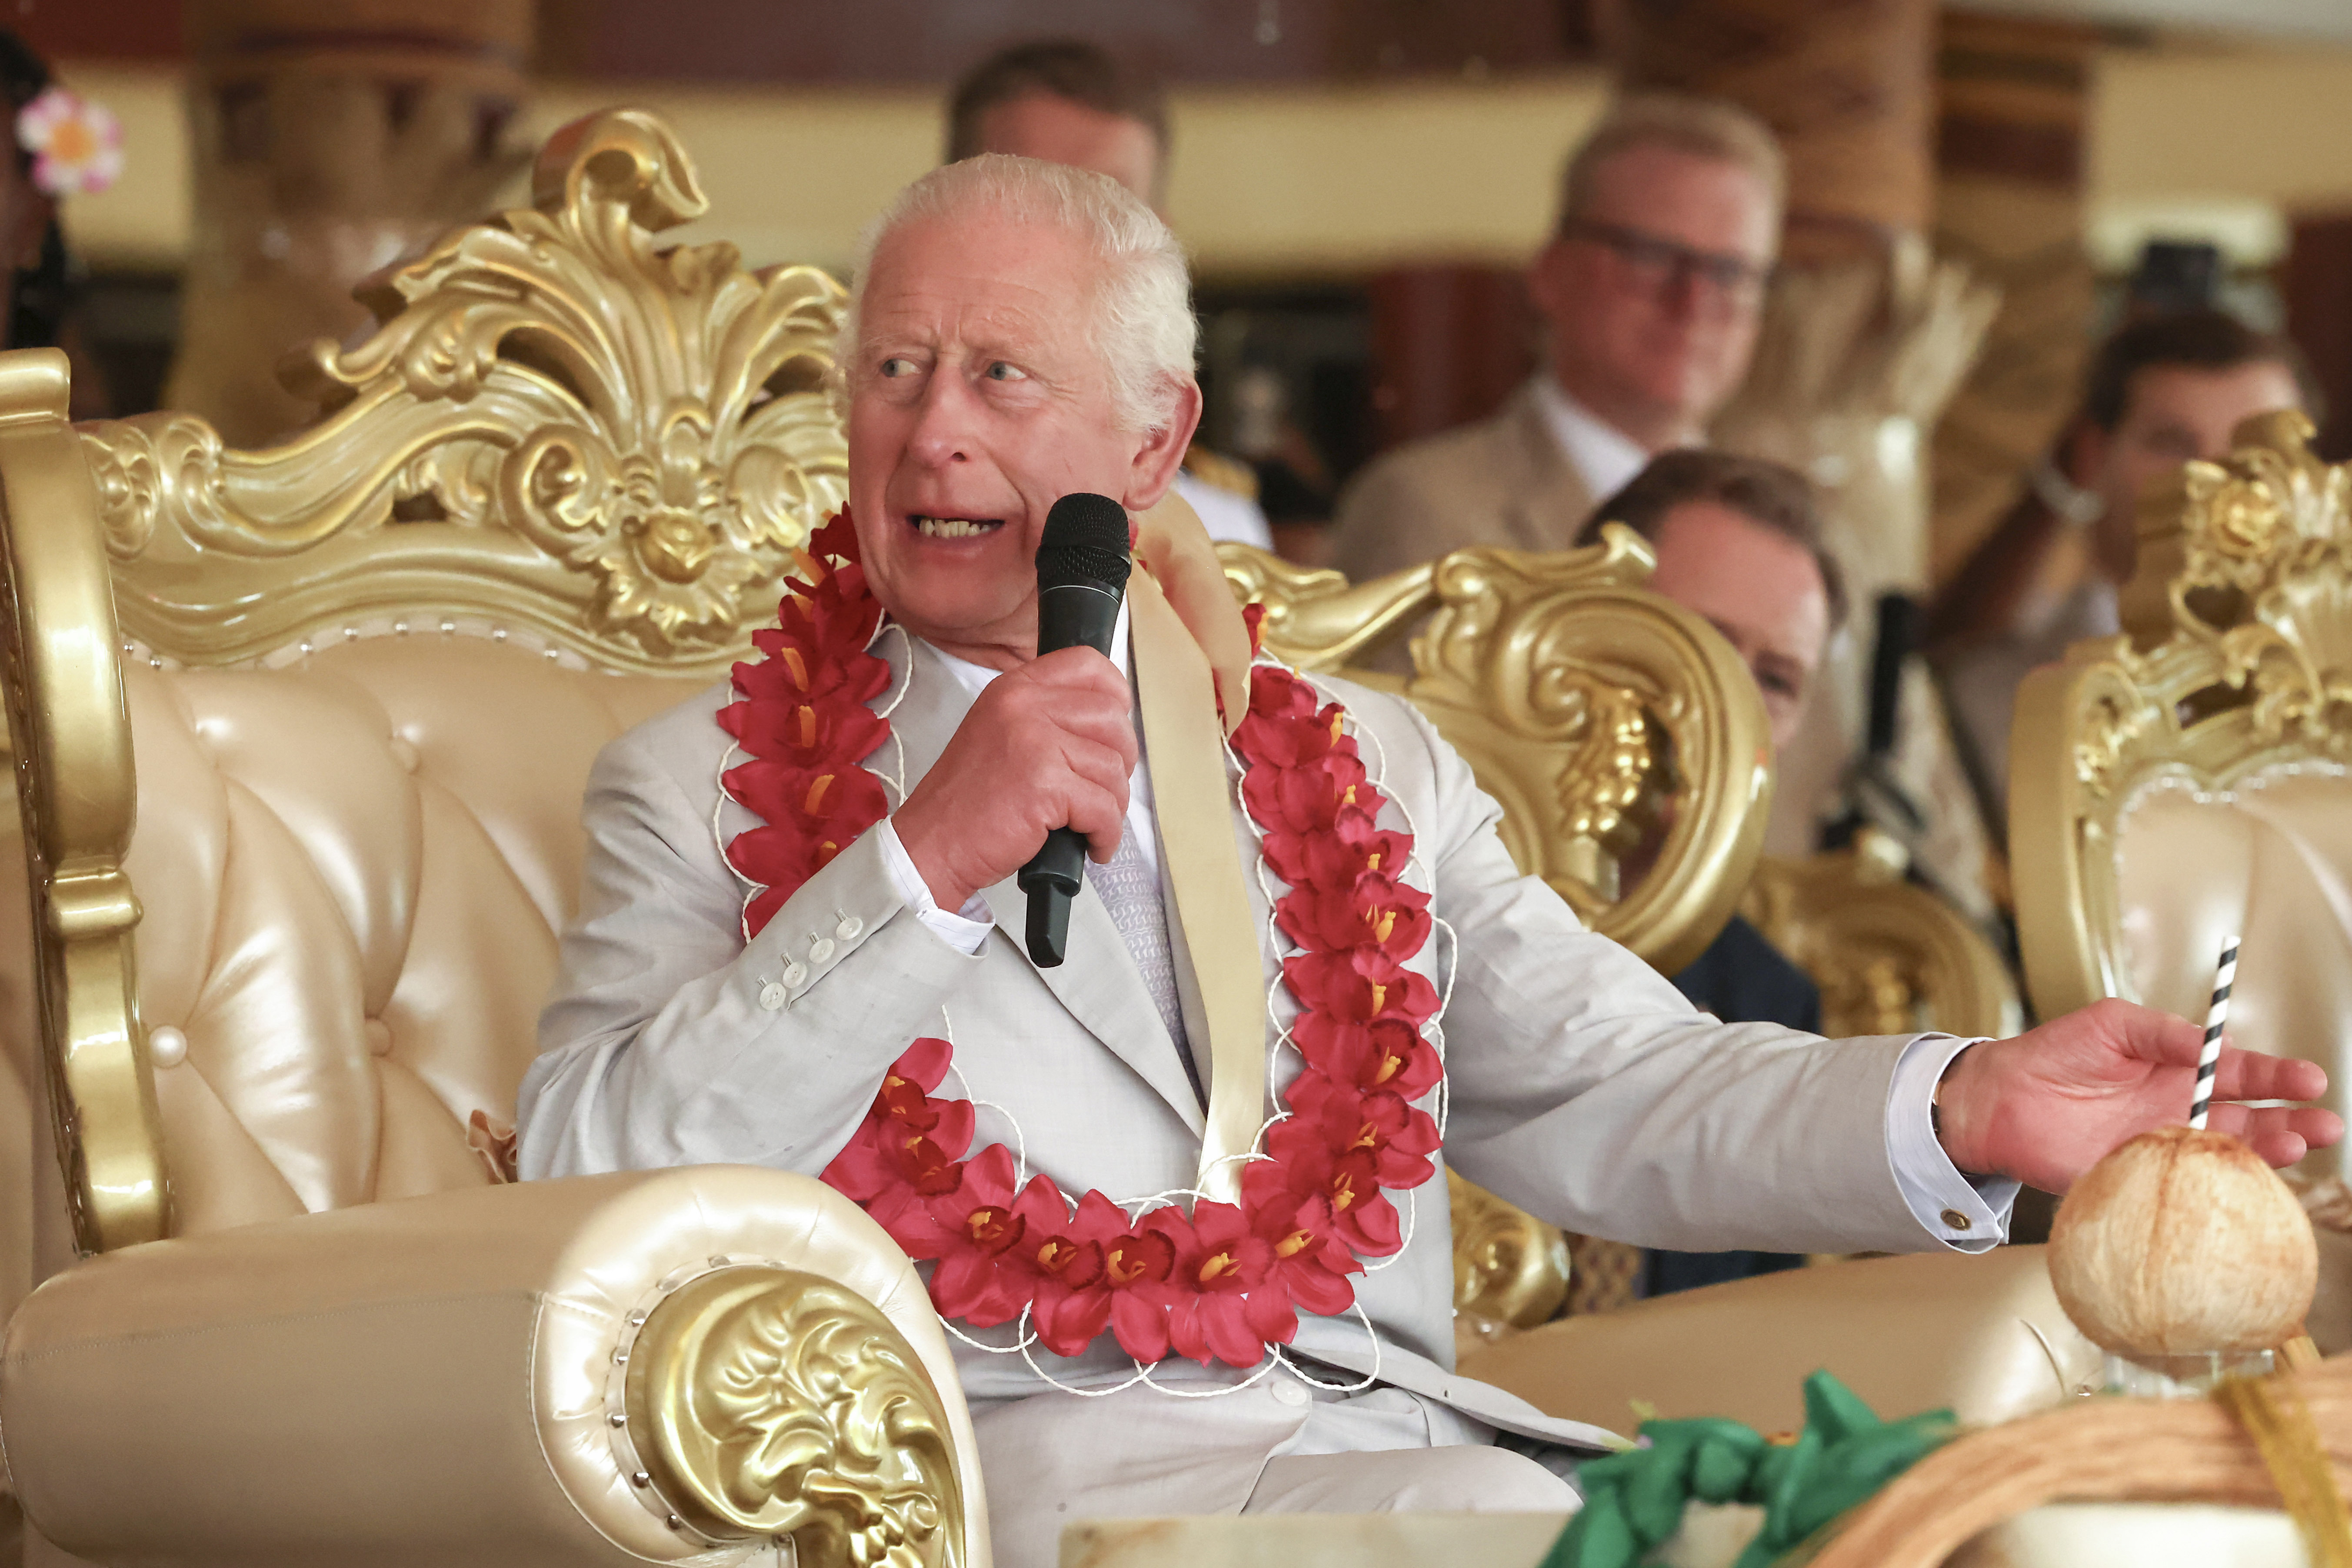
<point x="1659" y="263"/>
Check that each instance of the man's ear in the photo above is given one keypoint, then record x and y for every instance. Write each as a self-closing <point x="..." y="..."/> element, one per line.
<point x="1162" y="452"/>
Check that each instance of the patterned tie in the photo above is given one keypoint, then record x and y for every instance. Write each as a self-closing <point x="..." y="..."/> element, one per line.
<point x="1130" y="891"/>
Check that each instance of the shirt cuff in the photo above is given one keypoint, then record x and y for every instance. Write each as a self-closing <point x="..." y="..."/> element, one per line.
<point x="964" y="930"/>
<point x="1967" y="1214"/>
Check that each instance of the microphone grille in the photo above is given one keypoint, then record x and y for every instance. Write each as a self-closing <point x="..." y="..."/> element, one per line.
<point x="1085" y="541"/>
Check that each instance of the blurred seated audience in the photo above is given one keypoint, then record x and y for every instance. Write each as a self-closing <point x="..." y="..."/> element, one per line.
<point x="1068" y="101"/>
<point x="1738" y="543"/>
<point x="2162" y="391"/>
<point x="1650" y="291"/>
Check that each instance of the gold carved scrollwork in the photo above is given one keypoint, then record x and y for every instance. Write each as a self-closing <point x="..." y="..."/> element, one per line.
<point x="2236" y="660"/>
<point x="1890" y="958"/>
<point x="768" y="1402"/>
<point x="1607" y="722"/>
<point x="77" y="792"/>
<point x="1510" y="1268"/>
<point x="554" y="426"/>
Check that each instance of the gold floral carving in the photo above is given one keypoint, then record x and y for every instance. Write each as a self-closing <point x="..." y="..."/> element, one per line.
<point x="767" y="1403"/>
<point x="76" y="791"/>
<point x="1612" y="727"/>
<point x="554" y="427"/>
<point x="2235" y="660"/>
<point x="1890" y="958"/>
<point x="1510" y="1268"/>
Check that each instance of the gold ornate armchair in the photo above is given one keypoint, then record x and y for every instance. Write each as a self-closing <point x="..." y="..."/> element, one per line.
<point x="288" y="967"/>
<point x="2191" y="779"/>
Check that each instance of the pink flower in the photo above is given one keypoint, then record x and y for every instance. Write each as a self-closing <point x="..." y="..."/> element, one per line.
<point x="75" y="144"/>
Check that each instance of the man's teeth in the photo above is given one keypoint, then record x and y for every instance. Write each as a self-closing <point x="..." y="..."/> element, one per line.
<point x="956" y="527"/>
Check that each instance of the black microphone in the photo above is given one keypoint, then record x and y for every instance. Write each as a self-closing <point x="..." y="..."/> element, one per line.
<point x="1081" y="577"/>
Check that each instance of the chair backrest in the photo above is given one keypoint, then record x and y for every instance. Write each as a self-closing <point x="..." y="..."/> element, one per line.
<point x="1608" y="722"/>
<point x="1889" y="957"/>
<point x="2191" y="779"/>
<point x="367" y="670"/>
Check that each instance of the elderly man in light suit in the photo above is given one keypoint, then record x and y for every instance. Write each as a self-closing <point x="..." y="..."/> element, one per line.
<point x="1022" y="333"/>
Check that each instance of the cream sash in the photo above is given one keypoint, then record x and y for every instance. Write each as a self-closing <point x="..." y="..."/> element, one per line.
<point x="1193" y="802"/>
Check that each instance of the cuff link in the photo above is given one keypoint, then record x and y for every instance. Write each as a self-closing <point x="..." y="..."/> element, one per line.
<point x="1956" y="1219"/>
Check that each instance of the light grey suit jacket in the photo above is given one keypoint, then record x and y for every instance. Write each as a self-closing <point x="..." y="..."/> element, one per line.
<point x="1501" y="482"/>
<point x="1581" y="1085"/>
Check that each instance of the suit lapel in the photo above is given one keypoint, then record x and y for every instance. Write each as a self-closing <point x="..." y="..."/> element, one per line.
<point x="1098" y="983"/>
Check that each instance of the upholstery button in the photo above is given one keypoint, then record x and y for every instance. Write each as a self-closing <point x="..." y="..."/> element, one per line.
<point x="1292" y="1395"/>
<point x="1956" y="1219"/>
<point x="820" y="950"/>
<point x="796" y="971"/>
<point x="166" y="1046"/>
<point x="771" y="995"/>
<point x="379" y="1037"/>
<point x="405" y="753"/>
<point x="849" y="927"/>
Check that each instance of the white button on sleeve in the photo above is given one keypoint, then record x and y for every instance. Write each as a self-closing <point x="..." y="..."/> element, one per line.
<point x="964" y="930"/>
<point x="820" y="950"/>
<point x="772" y="996"/>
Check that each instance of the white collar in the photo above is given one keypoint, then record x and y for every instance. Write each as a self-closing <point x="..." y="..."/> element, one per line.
<point x="974" y="678"/>
<point x="1603" y="456"/>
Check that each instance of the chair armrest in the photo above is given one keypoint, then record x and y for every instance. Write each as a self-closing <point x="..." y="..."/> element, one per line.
<point x="1983" y="1334"/>
<point x="602" y="1369"/>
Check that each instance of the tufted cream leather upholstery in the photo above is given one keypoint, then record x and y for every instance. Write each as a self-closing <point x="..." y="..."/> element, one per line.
<point x="355" y="871"/>
<point x="2269" y="859"/>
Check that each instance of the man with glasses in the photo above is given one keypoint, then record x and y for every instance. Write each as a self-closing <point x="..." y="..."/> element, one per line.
<point x="1650" y="293"/>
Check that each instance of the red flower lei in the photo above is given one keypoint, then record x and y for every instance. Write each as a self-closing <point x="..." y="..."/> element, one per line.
<point x="1224" y="1281"/>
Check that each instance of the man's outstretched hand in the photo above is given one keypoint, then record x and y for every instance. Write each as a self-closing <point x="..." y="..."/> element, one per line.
<point x="2046" y="1106"/>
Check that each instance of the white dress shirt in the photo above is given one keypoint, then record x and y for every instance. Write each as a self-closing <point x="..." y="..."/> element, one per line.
<point x="1605" y="456"/>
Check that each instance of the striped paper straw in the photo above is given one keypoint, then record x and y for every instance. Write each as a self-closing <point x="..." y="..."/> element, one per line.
<point x="2208" y="1060"/>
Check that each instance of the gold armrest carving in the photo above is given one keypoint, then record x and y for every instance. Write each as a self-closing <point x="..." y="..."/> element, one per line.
<point x="767" y="1403"/>
<point x="1602" y="718"/>
<point x="2236" y="658"/>
<point x="1890" y="958"/>
<point x="1509" y="1268"/>
<point x="554" y="427"/>
<point x="77" y="791"/>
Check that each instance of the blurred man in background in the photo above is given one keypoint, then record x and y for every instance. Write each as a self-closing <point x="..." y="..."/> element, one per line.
<point x="1739" y="543"/>
<point x="2161" y="392"/>
<point x="1066" y="101"/>
<point x="1650" y="291"/>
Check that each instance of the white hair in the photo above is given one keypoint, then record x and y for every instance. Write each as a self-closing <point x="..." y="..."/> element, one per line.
<point x="1142" y="309"/>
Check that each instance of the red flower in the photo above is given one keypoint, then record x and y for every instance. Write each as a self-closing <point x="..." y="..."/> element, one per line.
<point x="1130" y="1295"/>
<point x="1223" y="1306"/>
<point x="1360" y="985"/>
<point x="1310" y="1262"/>
<point x="1375" y="912"/>
<point x="1306" y="799"/>
<point x="1398" y="1138"/>
<point x="1305" y="1165"/>
<point x="977" y="1226"/>
<point x="1336" y="858"/>
<point x="1387" y="1054"/>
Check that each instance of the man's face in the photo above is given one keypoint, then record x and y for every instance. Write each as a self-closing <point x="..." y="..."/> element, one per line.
<point x="1637" y="331"/>
<point x="1059" y="131"/>
<point x="1760" y="589"/>
<point x="2172" y="414"/>
<point x="977" y="401"/>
